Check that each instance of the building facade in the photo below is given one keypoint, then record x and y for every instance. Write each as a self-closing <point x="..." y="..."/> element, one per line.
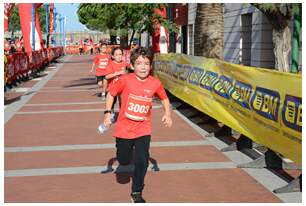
<point x="247" y="35"/>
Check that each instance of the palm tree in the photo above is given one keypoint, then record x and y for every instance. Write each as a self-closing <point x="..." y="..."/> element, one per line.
<point x="209" y="26"/>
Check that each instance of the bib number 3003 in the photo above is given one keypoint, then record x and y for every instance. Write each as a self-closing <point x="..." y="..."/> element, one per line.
<point x="138" y="107"/>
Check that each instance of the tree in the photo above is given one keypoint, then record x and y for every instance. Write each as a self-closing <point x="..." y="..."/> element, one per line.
<point x="120" y="19"/>
<point x="14" y="20"/>
<point x="208" y="37"/>
<point x="279" y="16"/>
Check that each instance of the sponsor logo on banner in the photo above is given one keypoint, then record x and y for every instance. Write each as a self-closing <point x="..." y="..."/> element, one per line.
<point x="254" y="101"/>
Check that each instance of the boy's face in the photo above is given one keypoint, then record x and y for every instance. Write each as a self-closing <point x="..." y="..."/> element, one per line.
<point x="142" y="67"/>
<point x="117" y="55"/>
<point x="103" y="48"/>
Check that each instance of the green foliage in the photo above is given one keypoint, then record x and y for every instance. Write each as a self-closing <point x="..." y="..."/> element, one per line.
<point x="14" y="19"/>
<point x="120" y="18"/>
<point x="278" y="14"/>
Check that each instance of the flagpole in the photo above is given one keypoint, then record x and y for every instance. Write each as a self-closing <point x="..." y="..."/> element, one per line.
<point x="33" y="27"/>
<point x="65" y="18"/>
<point x="47" y="24"/>
<point x="55" y="36"/>
<point x="60" y="28"/>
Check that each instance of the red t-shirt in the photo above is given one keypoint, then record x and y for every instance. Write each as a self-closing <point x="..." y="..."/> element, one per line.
<point x="113" y="67"/>
<point x="134" y="118"/>
<point x="101" y="61"/>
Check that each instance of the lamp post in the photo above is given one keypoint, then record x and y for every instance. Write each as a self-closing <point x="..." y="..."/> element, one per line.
<point x="60" y="28"/>
<point x="47" y="24"/>
<point x="33" y="27"/>
<point x="64" y="26"/>
<point x="55" y="36"/>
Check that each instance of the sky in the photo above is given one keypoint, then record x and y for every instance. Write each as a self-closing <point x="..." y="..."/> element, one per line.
<point x="70" y="10"/>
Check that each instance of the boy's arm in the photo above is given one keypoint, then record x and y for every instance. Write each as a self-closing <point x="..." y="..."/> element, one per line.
<point x="92" y="67"/>
<point x="110" y="76"/>
<point x="109" y="103"/>
<point x="166" y="119"/>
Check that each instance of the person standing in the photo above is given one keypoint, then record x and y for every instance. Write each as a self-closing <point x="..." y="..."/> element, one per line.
<point x="133" y="126"/>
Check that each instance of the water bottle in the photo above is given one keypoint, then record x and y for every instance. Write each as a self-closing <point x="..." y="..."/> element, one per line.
<point x="102" y="128"/>
<point x="113" y="118"/>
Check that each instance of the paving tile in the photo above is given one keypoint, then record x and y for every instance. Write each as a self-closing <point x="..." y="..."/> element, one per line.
<point x="203" y="186"/>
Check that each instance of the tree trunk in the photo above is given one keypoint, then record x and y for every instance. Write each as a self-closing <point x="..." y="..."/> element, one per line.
<point x="124" y="41"/>
<point x="113" y="39"/>
<point x="282" y="46"/>
<point x="132" y="37"/>
<point x="209" y="27"/>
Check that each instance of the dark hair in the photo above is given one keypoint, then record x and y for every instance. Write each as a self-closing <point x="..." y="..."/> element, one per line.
<point x="141" y="51"/>
<point x="116" y="48"/>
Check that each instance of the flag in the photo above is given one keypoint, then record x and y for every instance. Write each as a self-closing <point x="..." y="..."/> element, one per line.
<point x="7" y="13"/>
<point x="25" y="12"/>
<point x="160" y="35"/>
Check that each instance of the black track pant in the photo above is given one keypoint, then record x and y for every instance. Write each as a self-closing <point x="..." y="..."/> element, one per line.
<point x="140" y="146"/>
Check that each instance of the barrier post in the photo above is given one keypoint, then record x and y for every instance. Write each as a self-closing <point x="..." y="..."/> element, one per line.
<point x="269" y="160"/>
<point x="242" y="143"/>
<point x="293" y="186"/>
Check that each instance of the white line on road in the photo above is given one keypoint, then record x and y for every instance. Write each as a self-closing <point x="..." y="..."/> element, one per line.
<point x="99" y="169"/>
<point x="100" y="146"/>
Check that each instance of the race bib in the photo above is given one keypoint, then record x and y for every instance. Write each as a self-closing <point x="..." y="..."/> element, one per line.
<point x="103" y="63"/>
<point x="138" y="107"/>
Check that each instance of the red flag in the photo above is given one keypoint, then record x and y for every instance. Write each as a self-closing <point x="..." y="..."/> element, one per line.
<point x="51" y="16"/>
<point x="25" y="12"/>
<point x="160" y="35"/>
<point x="38" y="40"/>
<point x="7" y="13"/>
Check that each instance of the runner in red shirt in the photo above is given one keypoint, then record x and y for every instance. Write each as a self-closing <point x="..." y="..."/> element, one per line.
<point x="115" y="69"/>
<point x="133" y="127"/>
<point x="100" y="64"/>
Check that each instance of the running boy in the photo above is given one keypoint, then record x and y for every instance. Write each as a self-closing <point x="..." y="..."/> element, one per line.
<point x="133" y="127"/>
<point x="100" y="63"/>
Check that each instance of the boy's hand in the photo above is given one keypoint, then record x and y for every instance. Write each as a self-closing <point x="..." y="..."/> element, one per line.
<point x="166" y="119"/>
<point x="107" y="120"/>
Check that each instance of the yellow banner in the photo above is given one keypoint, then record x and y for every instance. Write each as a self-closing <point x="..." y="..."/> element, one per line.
<point x="264" y="105"/>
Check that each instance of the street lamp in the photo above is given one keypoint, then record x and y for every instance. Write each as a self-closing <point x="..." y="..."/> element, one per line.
<point x="33" y="27"/>
<point x="55" y="14"/>
<point x="64" y="26"/>
<point x="47" y="24"/>
<point x="60" y="25"/>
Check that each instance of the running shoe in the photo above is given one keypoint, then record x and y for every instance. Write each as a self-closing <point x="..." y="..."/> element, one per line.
<point x="136" y="197"/>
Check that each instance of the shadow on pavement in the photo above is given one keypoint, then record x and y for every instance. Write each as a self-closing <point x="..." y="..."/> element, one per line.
<point x="82" y="82"/>
<point x="124" y="173"/>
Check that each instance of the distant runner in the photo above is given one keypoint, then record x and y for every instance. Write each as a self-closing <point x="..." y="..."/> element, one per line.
<point x="100" y="64"/>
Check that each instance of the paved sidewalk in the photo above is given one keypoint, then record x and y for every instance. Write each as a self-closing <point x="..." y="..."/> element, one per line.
<point x="53" y="153"/>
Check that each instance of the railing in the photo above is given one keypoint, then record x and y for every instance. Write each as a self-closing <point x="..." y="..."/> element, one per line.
<point x="20" y="63"/>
